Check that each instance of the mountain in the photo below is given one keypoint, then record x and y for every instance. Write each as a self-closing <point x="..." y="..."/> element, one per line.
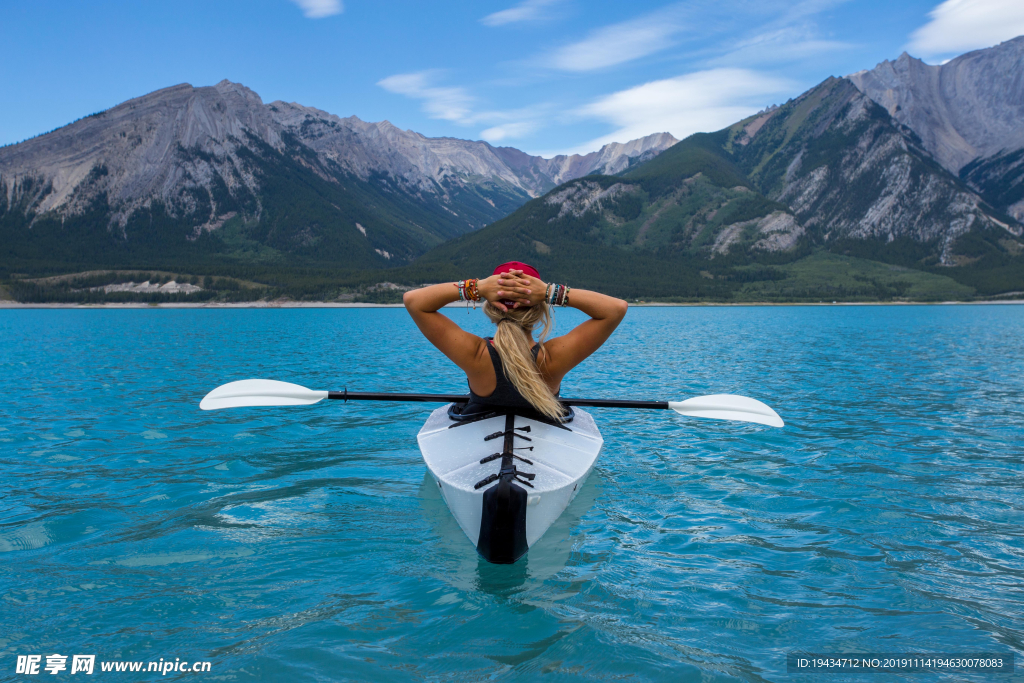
<point x="213" y="174"/>
<point x="437" y="165"/>
<point x="966" y="112"/>
<point x="830" y="172"/>
<point x="611" y="159"/>
<point x="650" y="231"/>
<point x="912" y="165"/>
<point x="849" y="171"/>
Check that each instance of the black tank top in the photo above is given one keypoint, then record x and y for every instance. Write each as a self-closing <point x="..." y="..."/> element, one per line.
<point x="505" y="393"/>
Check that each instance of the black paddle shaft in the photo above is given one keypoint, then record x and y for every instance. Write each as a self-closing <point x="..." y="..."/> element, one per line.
<point x="463" y="398"/>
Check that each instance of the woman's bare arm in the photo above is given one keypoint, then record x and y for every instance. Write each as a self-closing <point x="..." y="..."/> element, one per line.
<point x="566" y="352"/>
<point x="571" y="349"/>
<point x="461" y="347"/>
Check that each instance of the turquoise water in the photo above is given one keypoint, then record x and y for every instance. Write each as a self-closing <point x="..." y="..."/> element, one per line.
<point x="303" y="544"/>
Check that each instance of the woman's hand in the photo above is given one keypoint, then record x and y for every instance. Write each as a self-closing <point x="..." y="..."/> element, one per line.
<point x="531" y="289"/>
<point x="513" y="285"/>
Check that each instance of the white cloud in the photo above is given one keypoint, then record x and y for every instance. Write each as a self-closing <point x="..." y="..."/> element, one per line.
<point x="450" y="104"/>
<point x="779" y="46"/>
<point x="619" y="43"/>
<point x="529" y="10"/>
<point x="961" y="25"/>
<point x="456" y="105"/>
<point x="517" y="129"/>
<point x="696" y="102"/>
<point x="790" y="34"/>
<point x="318" y="9"/>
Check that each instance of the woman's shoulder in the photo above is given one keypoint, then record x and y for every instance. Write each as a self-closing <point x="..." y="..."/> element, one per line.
<point x="485" y="347"/>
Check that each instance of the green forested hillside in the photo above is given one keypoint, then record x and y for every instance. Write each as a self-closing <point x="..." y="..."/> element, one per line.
<point x="650" y="232"/>
<point x="999" y="179"/>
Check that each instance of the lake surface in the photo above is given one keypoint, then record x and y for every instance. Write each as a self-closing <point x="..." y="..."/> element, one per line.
<point x="304" y="544"/>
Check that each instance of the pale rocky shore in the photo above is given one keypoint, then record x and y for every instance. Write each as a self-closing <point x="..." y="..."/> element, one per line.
<point x="242" y="304"/>
<point x="14" y="305"/>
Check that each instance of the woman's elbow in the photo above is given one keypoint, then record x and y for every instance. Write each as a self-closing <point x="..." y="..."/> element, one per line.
<point x="413" y="301"/>
<point x="621" y="306"/>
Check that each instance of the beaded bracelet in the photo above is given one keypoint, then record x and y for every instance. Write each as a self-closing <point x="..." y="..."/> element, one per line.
<point x="469" y="290"/>
<point x="557" y="295"/>
<point x="554" y="294"/>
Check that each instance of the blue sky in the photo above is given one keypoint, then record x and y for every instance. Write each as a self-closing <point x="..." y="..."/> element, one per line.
<point x="546" y="76"/>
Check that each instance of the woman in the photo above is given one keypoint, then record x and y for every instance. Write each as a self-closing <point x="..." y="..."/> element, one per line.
<point x="510" y="369"/>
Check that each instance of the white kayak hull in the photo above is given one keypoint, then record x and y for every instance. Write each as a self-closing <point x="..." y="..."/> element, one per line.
<point x="505" y="504"/>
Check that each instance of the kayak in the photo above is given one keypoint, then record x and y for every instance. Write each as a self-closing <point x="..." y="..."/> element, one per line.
<point x="507" y="475"/>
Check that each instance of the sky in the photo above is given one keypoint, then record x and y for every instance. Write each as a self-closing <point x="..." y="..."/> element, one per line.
<point x="545" y="76"/>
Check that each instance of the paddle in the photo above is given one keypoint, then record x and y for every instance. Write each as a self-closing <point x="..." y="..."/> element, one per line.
<point x="268" y="392"/>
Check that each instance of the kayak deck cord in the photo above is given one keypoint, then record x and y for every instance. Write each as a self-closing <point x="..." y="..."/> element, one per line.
<point x="506" y="433"/>
<point x="517" y="475"/>
<point x="508" y="472"/>
<point x="495" y="456"/>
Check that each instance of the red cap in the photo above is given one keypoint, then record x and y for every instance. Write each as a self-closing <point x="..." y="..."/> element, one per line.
<point x="517" y="265"/>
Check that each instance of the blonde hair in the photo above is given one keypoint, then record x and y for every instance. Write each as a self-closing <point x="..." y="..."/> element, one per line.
<point x="514" y="343"/>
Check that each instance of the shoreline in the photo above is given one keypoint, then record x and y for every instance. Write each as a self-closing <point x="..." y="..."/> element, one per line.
<point x="14" y="305"/>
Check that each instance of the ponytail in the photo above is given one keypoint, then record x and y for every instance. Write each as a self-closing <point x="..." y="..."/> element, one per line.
<point x="513" y="341"/>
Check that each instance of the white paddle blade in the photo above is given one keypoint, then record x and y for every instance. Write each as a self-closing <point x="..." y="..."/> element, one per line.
<point x="260" y="392"/>
<point x="728" y="407"/>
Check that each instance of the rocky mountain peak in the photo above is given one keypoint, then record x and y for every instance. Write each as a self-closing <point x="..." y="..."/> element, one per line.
<point x="962" y="110"/>
<point x="136" y="145"/>
<point x="848" y="171"/>
<point x="226" y="87"/>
